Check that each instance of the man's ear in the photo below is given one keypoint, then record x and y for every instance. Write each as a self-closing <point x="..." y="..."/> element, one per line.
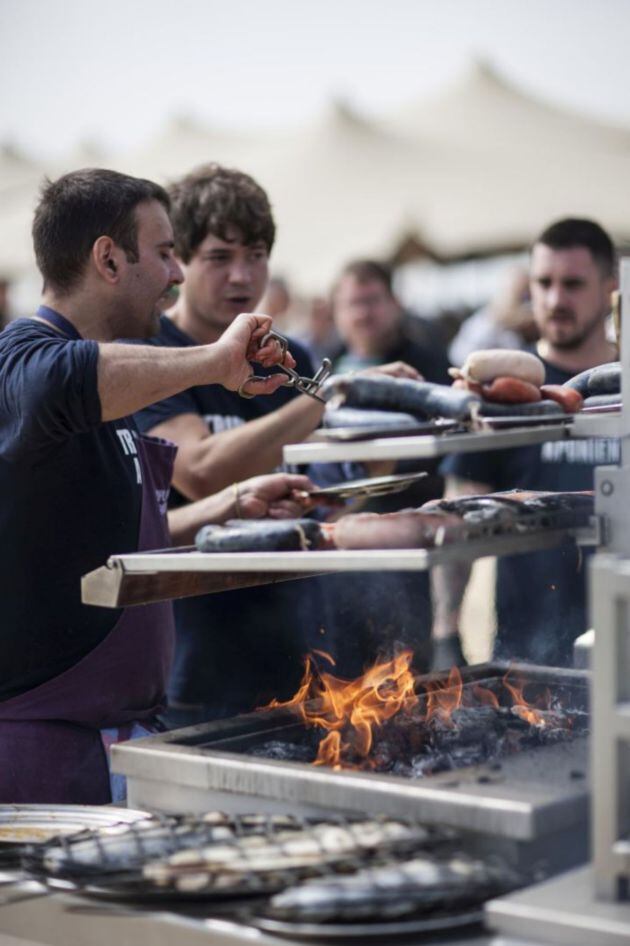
<point x="106" y="259"/>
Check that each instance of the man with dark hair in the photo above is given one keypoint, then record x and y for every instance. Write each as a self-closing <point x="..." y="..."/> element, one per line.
<point x="224" y="232"/>
<point x="540" y="598"/>
<point x="80" y="484"/>
<point x="575" y="232"/>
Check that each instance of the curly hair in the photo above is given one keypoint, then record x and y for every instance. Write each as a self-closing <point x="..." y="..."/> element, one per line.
<point x="213" y="199"/>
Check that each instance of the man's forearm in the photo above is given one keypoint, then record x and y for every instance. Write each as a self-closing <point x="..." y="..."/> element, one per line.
<point x="185" y="522"/>
<point x="448" y="585"/>
<point x="209" y="465"/>
<point x="132" y="376"/>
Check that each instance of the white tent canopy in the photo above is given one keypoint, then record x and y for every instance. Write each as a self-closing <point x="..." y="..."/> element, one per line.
<point x="480" y="167"/>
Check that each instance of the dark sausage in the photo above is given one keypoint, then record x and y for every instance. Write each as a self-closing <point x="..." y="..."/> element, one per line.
<point x="355" y="417"/>
<point x="603" y="379"/>
<point x="259" y="535"/>
<point x="420" y="398"/>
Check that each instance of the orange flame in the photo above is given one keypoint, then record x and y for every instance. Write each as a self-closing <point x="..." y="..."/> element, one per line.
<point x="485" y="697"/>
<point x="348" y="710"/>
<point x="444" y="698"/>
<point x="524" y="709"/>
<point x="322" y="653"/>
<point x="352" y="707"/>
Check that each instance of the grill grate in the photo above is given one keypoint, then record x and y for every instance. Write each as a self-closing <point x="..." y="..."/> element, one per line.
<point x="218" y="855"/>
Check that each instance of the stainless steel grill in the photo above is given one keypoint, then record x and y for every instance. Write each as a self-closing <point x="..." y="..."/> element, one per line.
<point x="531" y="805"/>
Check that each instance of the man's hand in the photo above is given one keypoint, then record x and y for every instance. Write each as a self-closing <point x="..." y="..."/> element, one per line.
<point x="394" y="369"/>
<point x="240" y="344"/>
<point x="272" y="496"/>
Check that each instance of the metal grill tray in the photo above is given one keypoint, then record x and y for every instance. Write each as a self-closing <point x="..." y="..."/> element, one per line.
<point x="143" y="577"/>
<point x="520" y="432"/>
<point x="348" y="434"/>
<point x="363" y="932"/>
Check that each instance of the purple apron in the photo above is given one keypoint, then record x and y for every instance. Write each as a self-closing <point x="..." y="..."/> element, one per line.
<point x="51" y="749"/>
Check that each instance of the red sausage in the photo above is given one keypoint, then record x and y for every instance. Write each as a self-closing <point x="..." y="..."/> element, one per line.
<point x="406" y="529"/>
<point x="511" y="391"/>
<point x="569" y="399"/>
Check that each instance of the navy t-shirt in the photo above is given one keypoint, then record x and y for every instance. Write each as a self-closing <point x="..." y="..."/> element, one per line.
<point x="71" y="497"/>
<point x="541" y="597"/>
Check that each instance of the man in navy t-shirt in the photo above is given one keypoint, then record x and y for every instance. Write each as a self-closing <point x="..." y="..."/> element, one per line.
<point x="79" y="483"/>
<point x="541" y="597"/>
<point x="234" y="651"/>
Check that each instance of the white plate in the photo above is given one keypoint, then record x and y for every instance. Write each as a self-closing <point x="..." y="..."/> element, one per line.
<point x="35" y="824"/>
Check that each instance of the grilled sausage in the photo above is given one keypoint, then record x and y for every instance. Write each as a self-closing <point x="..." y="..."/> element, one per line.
<point x="356" y="417"/>
<point x="570" y="399"/>
<point x="510" y="391"/>
<point x="382" y="393"/>
<point x="261" y="535"/>
<point x="603" y="379"/>
<point x="407" y="529"/>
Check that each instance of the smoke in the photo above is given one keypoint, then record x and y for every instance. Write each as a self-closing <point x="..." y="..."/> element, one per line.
<point x="371" y="616"/>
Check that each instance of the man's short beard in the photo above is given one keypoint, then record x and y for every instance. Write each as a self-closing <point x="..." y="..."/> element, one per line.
<point x="576" y="341"/>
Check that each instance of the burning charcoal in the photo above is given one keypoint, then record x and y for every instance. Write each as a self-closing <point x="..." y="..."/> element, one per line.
<point x="479" y="717"/>
<point x="463" y="756"/>
<point x="424" y="765"/>
<point x="402" y="768"/>
<point x="542" y="719"/>
<point x="400" y="738"/>
<point x="283" y="751"/>
<point x="383" y="758"/>
<point x="472" y="726"/>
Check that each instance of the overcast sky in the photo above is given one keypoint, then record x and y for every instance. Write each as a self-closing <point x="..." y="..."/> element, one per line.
<point x="112" y="72"/>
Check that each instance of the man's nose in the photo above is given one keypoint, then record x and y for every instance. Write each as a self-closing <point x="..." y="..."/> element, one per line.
<point x="240" y="271"/>
<point x="177" y="275"/>
<point x="556" y="297"/>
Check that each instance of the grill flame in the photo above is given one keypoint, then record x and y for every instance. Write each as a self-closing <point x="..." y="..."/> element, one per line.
<point x="352" y="707"/>
<point x="528" y="711"/>
<point x="348" y="710"/>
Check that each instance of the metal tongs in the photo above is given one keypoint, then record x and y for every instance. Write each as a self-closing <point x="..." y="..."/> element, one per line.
<point x="309" y="386"/>
<point x="374" y="486"/>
